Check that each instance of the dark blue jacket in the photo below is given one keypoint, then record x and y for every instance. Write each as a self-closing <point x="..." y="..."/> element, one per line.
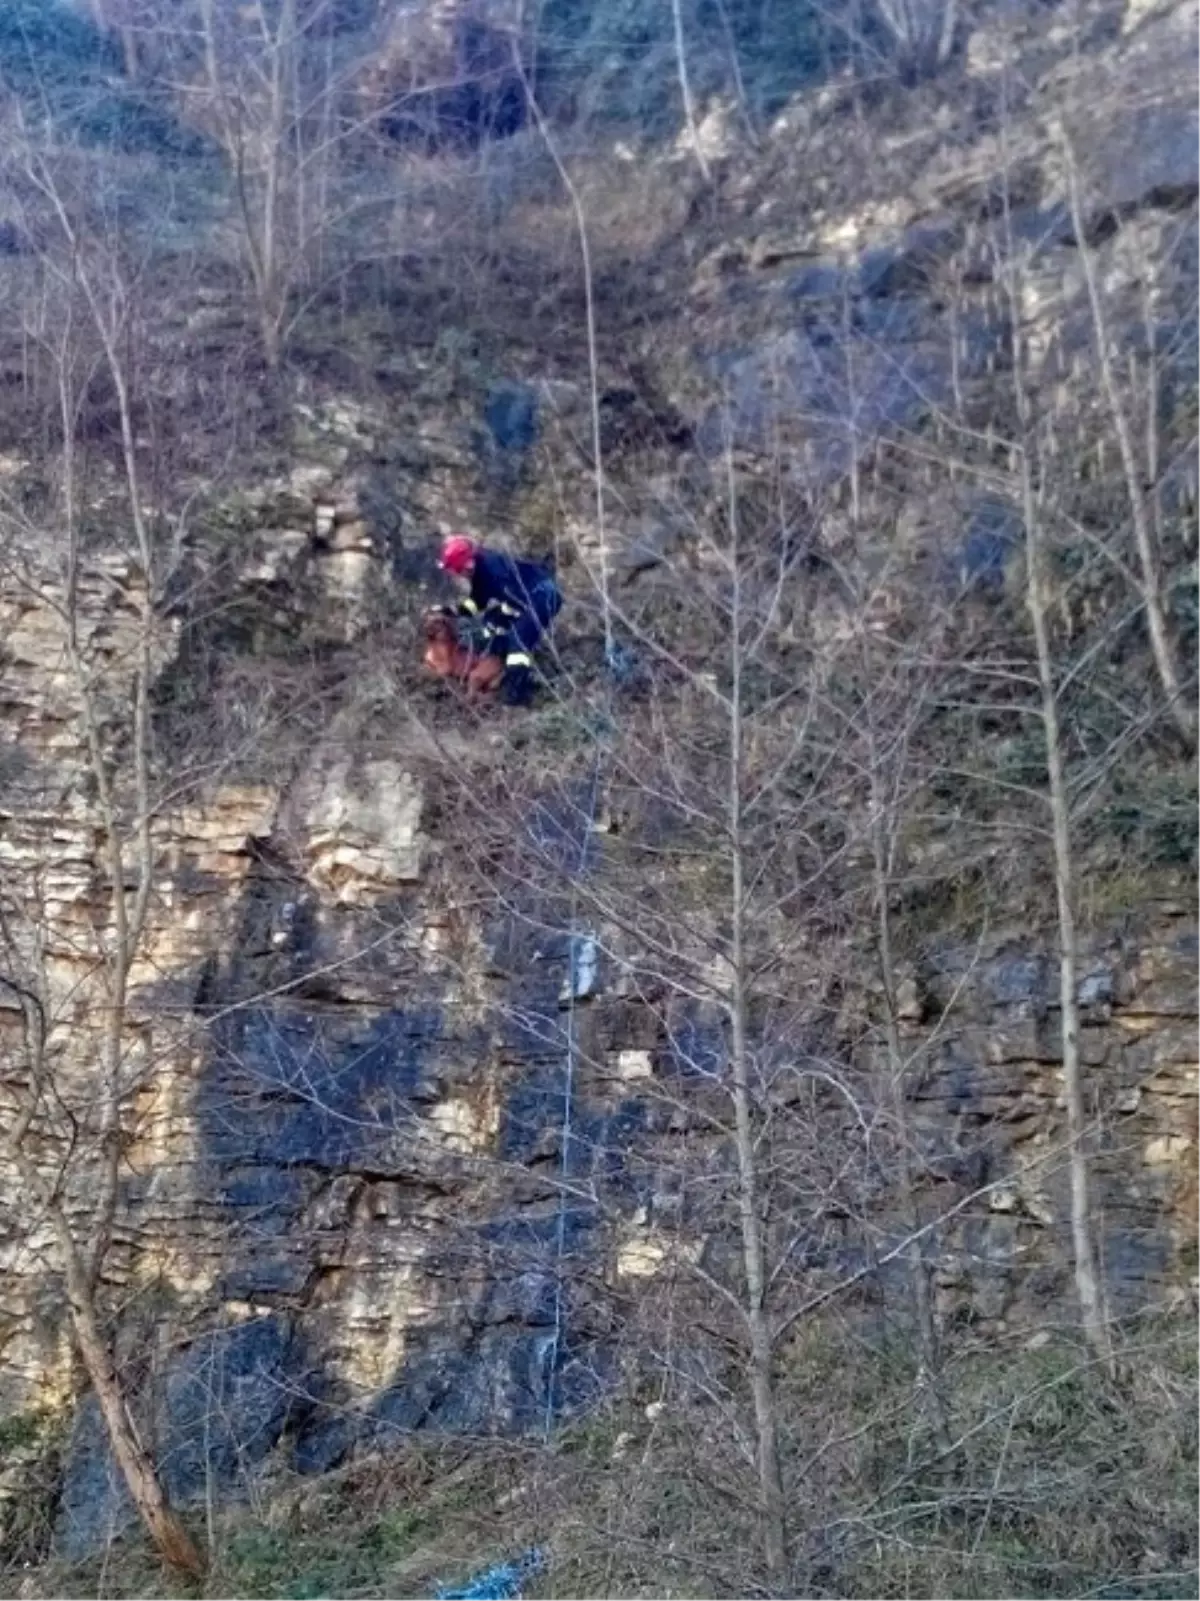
<point x="518" y="588"/>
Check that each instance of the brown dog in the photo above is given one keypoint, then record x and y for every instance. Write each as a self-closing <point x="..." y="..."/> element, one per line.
<point x="447" y="657"/>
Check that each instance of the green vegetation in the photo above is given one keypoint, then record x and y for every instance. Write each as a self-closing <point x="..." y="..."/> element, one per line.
<point x="30" y="1460"/>
<point x="21" y="1432"/>
<point x="1151" y="816"/>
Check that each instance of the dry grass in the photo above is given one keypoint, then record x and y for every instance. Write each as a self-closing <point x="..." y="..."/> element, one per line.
<point x="1056" y="1480"/>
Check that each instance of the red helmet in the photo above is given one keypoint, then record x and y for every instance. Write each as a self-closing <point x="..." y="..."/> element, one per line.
<point x="458" y="555"/>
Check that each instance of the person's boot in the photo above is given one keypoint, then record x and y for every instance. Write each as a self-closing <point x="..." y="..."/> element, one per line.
<point x="517" y="686"/>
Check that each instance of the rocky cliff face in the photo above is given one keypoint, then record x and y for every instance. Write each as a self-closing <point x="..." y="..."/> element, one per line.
<point x="342" y="1216"/>
<point x="339" y="1213"/>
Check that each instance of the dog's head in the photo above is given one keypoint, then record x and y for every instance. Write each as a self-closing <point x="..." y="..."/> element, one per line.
<point x="446" y="656"/>
<point x="441" y="643"/>
<point x="439" y="624"/>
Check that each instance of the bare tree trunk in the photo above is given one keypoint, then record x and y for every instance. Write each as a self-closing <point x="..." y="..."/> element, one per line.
<point x="82" y="1259"/>
<point x="762" y="1386"/>
<point x="1087" y="1277"/>
<point x="124" y="31"/>
<point x="168" y="1533"/>
<point x="1181" y="707"/>
<point x="260" y="214"/>
<point x="762" y="1353"/>
<point x="882" y="852"/>
<point x="927" y="1340"/>
<point x="685" y="89"/>
<point x="165" y="1528"/>
<point x="128" y="922"/>
<point x="281" y="48"/>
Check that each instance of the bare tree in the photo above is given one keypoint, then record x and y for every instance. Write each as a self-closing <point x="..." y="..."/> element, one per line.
<point x="1087" y="1277"/>
<point x="890" y="719"/>
<point x="89" y="301"/>
<point x="250" y="83"/>
<point x="266" y="83"/>
<point x="1136" y="473"/>
<point x="1087" y="1274"/>
<point x="96" y="1136"/>
<point x="750" y="1200"/>
<point x="736" y="760"/>
<point x="685" y="90"/>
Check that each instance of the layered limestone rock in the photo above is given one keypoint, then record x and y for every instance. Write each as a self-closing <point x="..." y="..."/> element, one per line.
<point x="340" y="1214"/>
<point x="989" y="1109"/>
<point x="345" y="1102"/>
<point x="302" y="1119"/>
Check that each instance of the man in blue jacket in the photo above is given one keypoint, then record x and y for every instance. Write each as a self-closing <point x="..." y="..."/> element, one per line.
<point x="515" y="601"/>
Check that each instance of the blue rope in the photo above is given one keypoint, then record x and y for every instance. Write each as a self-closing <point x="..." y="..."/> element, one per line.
<point x="569" y="1094"/>
<point x="620" y="668"/>
<point x="505" y="1581"/>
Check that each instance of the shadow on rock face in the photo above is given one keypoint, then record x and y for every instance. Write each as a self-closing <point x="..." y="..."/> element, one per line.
<point x="511" y="419"/>
<point x="448" y="82"/>
<point x="214" y="1413"/>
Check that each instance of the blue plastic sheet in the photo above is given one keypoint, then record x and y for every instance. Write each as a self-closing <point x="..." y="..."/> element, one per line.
<point x="503" y="1582"/>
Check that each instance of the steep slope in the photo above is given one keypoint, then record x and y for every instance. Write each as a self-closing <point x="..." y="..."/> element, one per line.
<point x="424" y="1056"/>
